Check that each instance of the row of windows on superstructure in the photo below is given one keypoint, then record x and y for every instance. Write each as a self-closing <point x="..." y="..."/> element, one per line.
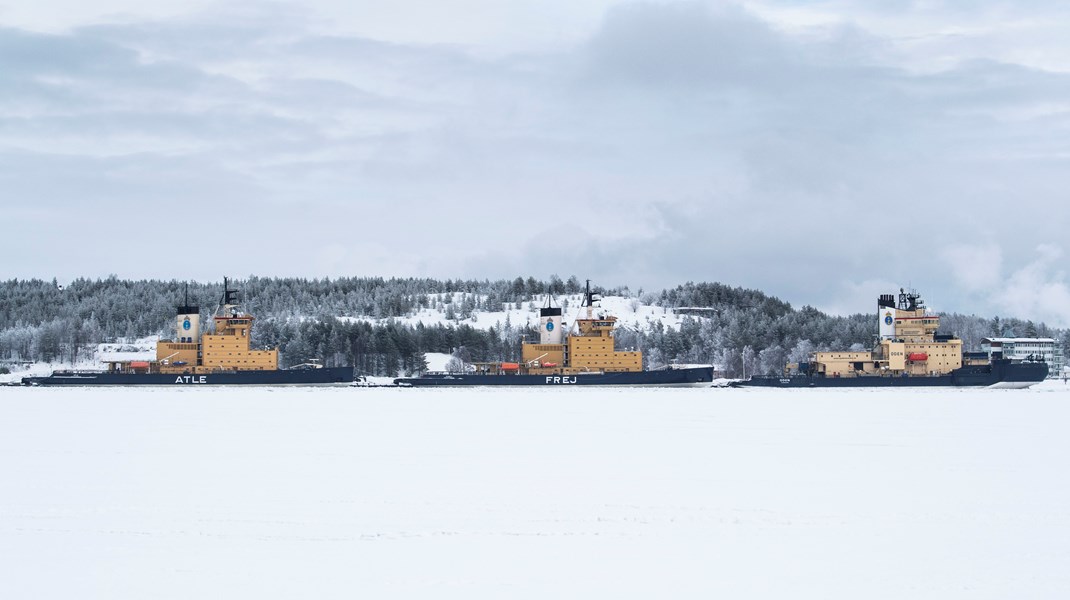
<point x="215" y="362"/>
<point x="609" y="364"/>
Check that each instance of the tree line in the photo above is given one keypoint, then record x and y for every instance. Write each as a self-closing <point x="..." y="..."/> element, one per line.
<point x="355" y="321"/>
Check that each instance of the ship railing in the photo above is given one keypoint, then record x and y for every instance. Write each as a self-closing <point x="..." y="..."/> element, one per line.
<point x="78" y="372"/>
<point x="307" y="365"/>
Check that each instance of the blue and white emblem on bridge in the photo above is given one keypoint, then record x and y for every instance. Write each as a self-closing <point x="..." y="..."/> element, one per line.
<point x="549" y="326"/>
<point x="888" y="318"/>
<point x="185" y="324"/>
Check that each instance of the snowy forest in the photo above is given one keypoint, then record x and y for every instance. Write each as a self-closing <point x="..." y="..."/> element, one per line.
<point x="357" y="321"/>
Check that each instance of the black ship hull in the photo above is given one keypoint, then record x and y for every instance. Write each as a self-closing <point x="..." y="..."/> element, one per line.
<point x="1001" y="373"/>
<point x="325" y="376"/>
<point x="682" y="377"/>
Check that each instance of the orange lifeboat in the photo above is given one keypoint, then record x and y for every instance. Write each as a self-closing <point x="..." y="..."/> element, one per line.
<point x="549" y="364"/>
<point x="510" y="366"/>
<point x="918" y="356"/>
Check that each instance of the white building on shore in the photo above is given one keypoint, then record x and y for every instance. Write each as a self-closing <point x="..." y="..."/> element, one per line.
<point x="1021" y="348"/>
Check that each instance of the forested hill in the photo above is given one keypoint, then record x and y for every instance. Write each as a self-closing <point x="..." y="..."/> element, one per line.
<point x="719" y="295"/>
<point x="383" y="326"/>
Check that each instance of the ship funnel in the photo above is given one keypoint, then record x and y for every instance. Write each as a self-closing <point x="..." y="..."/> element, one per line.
<point x="886" y="316"/>
<point x="550" y="324"/>
<point x="188" y="322"/>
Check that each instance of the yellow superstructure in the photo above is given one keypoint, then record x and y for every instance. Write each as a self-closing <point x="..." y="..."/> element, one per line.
<point x="226" y="348"/>
<point x="909" y="345"/>
<point x="590" y="349"/>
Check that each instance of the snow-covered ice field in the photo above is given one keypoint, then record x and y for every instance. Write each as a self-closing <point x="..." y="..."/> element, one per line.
<point x="534" y="493"/>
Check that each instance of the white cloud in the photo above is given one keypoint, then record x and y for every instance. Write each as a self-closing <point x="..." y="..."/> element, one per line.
<point x="974" y="267"/>
<point x="855" y="297"/>
<point x="1039" y="290"/>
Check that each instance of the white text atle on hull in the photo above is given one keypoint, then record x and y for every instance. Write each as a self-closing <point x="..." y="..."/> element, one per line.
<point x="220" y="356"/>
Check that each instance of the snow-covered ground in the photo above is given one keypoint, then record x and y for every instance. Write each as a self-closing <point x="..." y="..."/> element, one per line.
<point x="534" y="493"/>
<point x="139" y="349"/>
<point x="630" y="312"/>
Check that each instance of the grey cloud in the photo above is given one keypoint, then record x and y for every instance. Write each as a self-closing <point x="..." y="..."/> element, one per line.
<point x="28" y="57"/>
<point x="849" y="170"/>
<point x="685" y="45"/>
<point x="35" y="53"/>
<point x="678" y="143"/>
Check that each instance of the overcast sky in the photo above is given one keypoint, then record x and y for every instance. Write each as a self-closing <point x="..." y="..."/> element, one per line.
<point x="823" y="152"/>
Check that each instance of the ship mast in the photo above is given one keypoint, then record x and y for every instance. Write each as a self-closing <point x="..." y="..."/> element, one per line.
<point x="910" y="300"/>
<point x="228" y="304"/>
<point x="588" y="301"/>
